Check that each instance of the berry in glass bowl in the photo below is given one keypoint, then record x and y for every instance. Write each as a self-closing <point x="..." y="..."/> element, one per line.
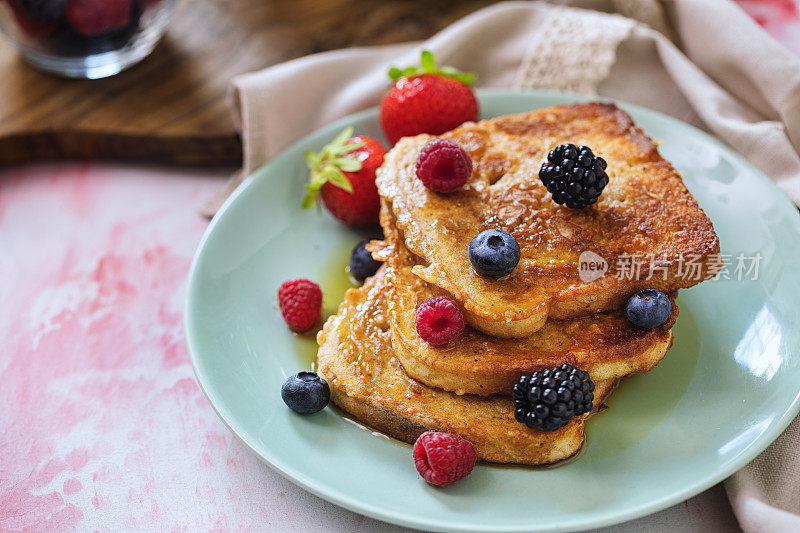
<point x="84" y="38"/>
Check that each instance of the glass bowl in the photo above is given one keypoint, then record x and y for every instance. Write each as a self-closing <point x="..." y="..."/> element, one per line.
<point x="85" y="38"/>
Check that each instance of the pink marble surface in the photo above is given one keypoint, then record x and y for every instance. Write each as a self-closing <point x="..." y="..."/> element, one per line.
<point x="102" y="426"/>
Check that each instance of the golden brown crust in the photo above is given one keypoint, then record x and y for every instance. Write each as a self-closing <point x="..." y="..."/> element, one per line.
<point x="645" y="211"/>
<point x="366" y="380"/>
<point x="606" y="345"/>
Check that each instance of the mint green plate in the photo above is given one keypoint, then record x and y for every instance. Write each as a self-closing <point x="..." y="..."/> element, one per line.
<point x="725" y="391"/>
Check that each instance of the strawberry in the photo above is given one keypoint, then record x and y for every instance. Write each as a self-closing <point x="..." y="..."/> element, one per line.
<point x="344" y="175"/>
<point x="430" y="99"/>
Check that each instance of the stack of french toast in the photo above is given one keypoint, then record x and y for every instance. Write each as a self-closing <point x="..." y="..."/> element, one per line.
<point x="646" y="230"/>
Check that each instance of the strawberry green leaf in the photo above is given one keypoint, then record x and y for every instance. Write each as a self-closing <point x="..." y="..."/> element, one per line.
<point x="330" y="164"/>
<point x="346" y="149"/>
<point x="427" y="61"/>
<point x="348" y="164"/>
<point x="467" y="78"/>
<point x="341" y="138"/>
<point x="308" y="199"/>
<point x="336" y="177"/>
<point x="312" y="160"/>
<point x="428" y="66"/>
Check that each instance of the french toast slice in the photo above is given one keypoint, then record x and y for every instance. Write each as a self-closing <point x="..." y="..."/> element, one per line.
<point x="367" y="381"/>
<point x="606" y="345"/>
<point x="646" y="225"/>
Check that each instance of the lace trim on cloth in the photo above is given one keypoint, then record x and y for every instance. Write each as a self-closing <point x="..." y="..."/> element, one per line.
<point x="574" y="51"/>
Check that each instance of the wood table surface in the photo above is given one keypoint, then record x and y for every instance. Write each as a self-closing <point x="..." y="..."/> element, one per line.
<point x="172" y="107"/>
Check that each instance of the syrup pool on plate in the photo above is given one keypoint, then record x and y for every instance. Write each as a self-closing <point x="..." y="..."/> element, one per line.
<point x="334" y="279"/>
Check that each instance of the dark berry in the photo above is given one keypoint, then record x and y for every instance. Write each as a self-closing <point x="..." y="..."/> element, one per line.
<point x="574" y="176"/>
<point x="648" y="308"/>
<point x="65" y="41"/>
<point x="43" y="10"/>
<point x="548" y="399"/>
<point x="439" y="320"/>
<point x="305" y="393"/>
<point x="94" y="17"/>
<point x="494" y="253"/>
<point x="362" y="265"/>
<point x="443" y="166"/>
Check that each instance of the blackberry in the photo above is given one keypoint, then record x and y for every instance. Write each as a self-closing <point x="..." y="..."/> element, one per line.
<point x="547" y="399"/>
<point x="574" y="176"/>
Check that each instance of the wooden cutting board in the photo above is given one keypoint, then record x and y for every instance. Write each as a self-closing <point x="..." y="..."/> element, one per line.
<point x="172" y="107"/>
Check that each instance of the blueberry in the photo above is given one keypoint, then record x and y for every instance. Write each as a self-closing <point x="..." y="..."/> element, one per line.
<point x="494" y="253"/>
<point x="306" y="393"/>
<point x="362" y="265"/>
<point x="648" y="308"/>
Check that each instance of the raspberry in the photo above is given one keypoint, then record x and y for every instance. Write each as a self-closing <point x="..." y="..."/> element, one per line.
<point x="442" y="458"/>
<point x="439" y="320"/>
<point x="443" y="166"/>
<point x="300" y="301"/>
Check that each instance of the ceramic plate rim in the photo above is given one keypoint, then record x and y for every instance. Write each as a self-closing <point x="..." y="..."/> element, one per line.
<point x="344" y="500"/>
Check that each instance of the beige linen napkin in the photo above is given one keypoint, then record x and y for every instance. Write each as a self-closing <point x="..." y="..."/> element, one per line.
<point x="702" y="61"/>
